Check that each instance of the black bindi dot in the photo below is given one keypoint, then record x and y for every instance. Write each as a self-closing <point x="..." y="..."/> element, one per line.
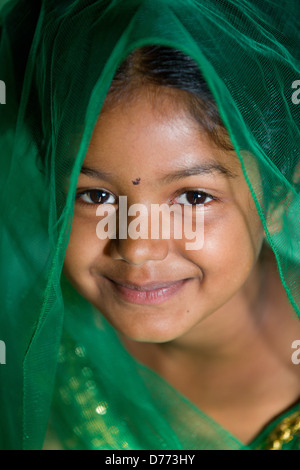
<point x="137" y="181"/>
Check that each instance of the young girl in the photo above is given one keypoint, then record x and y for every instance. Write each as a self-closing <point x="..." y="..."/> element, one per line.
<point x="137" y="342"/>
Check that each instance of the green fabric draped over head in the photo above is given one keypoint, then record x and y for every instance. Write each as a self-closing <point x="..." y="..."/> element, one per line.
<point x="57" y="60"/>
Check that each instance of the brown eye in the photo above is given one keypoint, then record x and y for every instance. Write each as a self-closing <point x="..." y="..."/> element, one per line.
<point x="194" y="198"/>
<point x="96" y="196"/>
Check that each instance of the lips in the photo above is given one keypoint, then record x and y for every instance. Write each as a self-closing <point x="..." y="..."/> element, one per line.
<point x="150" y="293"/>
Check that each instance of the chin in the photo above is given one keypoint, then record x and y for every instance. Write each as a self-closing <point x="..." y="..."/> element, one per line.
<point x="144" y="329"/>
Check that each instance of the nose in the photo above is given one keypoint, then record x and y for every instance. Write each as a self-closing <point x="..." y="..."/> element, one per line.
<point x="139" y="251"/>
<point x="135" y="243"/>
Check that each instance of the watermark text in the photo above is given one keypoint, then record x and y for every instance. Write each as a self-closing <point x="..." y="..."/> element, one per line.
<point x="160" y="221"/>
<point x="2" y="92"/>
<point x="296" y="94"/>
<point x="2" y="352"/>
<point x="296" y="354"/>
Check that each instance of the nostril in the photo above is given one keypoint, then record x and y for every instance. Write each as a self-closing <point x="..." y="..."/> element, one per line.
<point x="138" y="252"/>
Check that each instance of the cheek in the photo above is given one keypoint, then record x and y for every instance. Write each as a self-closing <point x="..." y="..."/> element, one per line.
<point x="232" y="243"/>
<point x="82" y="248"/>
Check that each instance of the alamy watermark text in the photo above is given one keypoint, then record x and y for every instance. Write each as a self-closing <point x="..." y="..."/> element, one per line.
<point x="296" y="354"/>
<point x="2" y="92"/>
<point x="154" y="222"/>
<point x="2" y="352"/>
<point x="296" y="93"/>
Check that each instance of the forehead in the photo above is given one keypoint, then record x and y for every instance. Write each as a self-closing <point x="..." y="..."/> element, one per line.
<point x="149" y="131"/>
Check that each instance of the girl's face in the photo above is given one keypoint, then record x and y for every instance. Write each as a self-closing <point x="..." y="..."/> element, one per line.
<point x="157" y="290"/>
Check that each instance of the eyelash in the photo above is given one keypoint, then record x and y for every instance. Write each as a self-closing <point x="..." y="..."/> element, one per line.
<point x="196" y="193"/>
<point x="79" y="196"/>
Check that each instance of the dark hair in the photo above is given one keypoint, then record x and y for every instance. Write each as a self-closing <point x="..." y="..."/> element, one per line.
<point x="160" y="66"/>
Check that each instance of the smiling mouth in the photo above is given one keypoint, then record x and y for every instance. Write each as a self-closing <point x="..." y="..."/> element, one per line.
<point x="151" y="293"/>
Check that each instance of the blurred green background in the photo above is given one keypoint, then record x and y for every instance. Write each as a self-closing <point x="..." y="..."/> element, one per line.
<point x="2" y="2"/>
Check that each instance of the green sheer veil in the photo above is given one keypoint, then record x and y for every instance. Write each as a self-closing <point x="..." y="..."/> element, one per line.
<point x="57" y="61"/>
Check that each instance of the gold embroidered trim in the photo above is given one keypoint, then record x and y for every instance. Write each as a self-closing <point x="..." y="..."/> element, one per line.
<point x="284" y="432"/>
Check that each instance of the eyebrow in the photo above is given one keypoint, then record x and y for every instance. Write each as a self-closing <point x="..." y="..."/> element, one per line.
<point x="205" y="168"/>
<point x="96" y="174"/>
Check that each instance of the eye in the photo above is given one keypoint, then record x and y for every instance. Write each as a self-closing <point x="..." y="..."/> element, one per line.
<point x="96" y="196"/>
<point x="194" y="198"/>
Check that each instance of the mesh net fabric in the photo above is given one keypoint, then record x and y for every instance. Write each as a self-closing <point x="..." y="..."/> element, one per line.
<point x="57" y="59"/>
